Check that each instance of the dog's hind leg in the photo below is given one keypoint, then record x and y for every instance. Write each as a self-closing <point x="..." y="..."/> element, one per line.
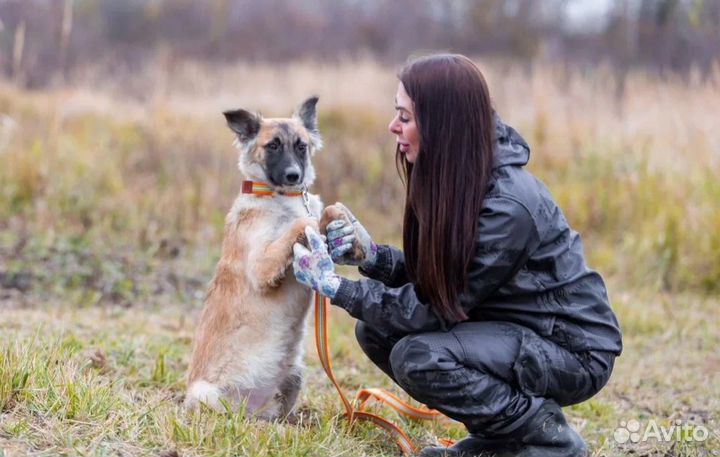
<point x="289" y="390"/>
<point x="203" y="392"/>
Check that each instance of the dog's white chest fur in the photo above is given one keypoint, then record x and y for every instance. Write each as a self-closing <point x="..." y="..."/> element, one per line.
<point x="281" y="210"/>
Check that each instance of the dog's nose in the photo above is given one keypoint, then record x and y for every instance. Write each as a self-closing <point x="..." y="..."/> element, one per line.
<point x="292" y="177"/>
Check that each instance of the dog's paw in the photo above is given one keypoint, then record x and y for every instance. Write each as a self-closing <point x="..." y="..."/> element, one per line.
<point x="329" y="214"/>
<point x="336" y="212"/>
<point x="298" y="229"/>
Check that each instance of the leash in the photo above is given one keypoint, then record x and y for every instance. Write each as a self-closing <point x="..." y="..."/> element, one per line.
<point x="364" y="396"/>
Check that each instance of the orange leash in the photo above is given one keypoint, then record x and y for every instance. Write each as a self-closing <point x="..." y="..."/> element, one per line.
<point x="365" y="395"/>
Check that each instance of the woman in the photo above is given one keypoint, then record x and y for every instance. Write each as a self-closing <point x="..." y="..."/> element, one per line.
<point x="489" y="313"/>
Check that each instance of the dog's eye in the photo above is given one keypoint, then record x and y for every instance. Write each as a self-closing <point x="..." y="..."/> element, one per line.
<point x="302" y="147"/>
<point x="272" y="146"/>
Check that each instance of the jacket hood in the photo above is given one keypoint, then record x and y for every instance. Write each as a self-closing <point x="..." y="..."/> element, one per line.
<point x="510" y="147"/>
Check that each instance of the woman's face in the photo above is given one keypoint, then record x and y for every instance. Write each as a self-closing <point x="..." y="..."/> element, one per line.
<point x="403" y="125"/>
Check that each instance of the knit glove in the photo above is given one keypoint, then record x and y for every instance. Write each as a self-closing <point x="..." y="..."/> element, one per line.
<point x="314" y="267"/>
<point x="342" y="234"/>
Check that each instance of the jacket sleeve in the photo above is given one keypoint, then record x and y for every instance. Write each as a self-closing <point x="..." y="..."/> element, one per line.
<point x="391" y="310"/>
<point x="506" y="236"/>
<point x="389" y="267"/>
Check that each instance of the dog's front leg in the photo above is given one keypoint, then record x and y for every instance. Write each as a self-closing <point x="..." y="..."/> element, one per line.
<point x="272" y="260"/>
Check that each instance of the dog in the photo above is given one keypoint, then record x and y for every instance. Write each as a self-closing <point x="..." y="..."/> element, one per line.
<point x="248" y="346"/>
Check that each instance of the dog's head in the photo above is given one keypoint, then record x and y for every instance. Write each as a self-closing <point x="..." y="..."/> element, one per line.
<point x="277" y="150"/>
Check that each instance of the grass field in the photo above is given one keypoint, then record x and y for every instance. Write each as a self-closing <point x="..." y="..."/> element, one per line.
<point x="113" y="193"/>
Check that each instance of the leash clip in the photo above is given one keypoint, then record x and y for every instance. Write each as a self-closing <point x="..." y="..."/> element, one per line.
<point x="306" y="200"/>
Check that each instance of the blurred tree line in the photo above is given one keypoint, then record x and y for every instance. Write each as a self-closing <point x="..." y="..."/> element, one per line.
<point x="44" y="41"/>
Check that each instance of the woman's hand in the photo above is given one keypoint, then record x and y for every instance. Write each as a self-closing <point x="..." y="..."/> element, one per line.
<point x="314" y="268"/>
<point x="349" y="242"/>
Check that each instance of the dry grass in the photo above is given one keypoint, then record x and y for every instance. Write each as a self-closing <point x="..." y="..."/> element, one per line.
<point x="635" y="171"/>
<point x="112" y="196"/>
<point x="109" y="380"/>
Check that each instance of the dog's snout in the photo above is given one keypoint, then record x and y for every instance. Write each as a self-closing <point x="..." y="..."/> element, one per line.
<point x="292" y="175"/>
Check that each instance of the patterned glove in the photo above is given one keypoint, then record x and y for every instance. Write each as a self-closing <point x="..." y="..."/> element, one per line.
<point x="340" y="239"/>
<point x="314" y="268"/>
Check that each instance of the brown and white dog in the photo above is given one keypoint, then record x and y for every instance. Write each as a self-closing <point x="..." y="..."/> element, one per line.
<point x="248" y="345"/>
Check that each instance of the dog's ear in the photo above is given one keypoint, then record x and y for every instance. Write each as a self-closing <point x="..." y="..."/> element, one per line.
<point x="307" y="114"/>
<point x="244" y="123"/>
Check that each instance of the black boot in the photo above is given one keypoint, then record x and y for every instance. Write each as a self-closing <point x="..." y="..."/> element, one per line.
<point x="474" y="445"/>
<point x="545" y="434"/>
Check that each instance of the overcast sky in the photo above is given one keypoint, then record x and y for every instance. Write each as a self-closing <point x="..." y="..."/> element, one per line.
<point x="589" y="15"/>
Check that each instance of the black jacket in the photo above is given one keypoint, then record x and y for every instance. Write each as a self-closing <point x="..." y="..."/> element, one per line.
<point x="528" y="268"/>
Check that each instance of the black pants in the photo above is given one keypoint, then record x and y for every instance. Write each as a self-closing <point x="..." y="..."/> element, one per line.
<point x="492" y="375"/>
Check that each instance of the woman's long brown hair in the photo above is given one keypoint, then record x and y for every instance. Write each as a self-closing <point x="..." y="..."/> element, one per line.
<point x="446" y="185"/>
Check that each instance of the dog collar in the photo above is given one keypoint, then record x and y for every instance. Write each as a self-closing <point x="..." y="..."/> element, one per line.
<point x="265" y="190"/>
